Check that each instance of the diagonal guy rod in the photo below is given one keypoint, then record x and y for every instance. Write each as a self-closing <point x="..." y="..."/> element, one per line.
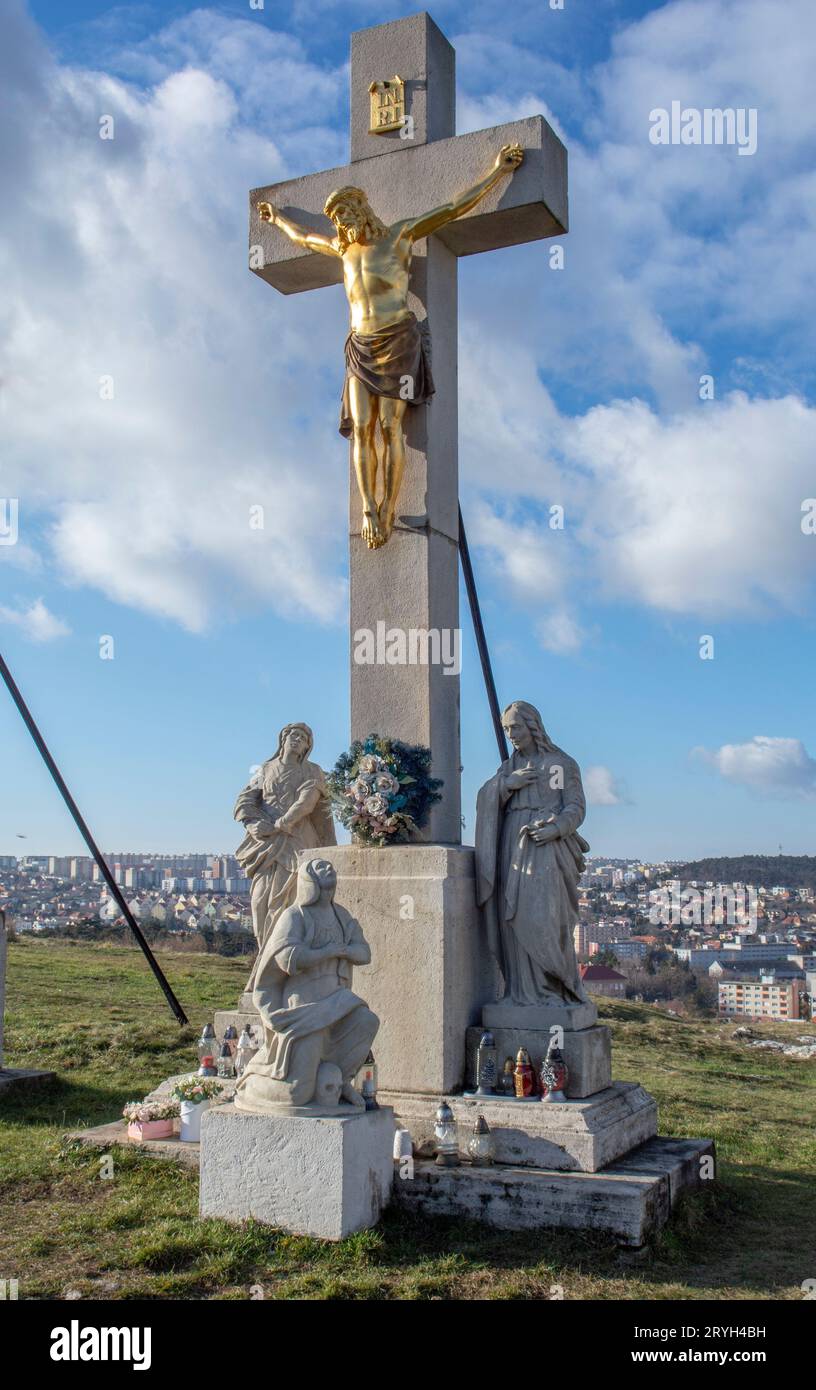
<point x="28" y="720"/>
<point x="481" y="641"/>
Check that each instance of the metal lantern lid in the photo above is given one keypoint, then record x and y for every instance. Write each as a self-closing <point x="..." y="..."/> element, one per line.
<point x="487" y="1039"/>
<point x="481" y="1126"/>
<point x="208" y="1031"/>
<point x="444" y="1114"/>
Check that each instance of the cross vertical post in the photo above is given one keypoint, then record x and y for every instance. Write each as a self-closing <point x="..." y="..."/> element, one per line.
<point x="411" y="585"/>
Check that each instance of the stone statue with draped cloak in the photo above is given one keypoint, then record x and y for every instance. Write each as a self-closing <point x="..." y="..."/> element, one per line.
<point x="284" y="808"/>
<point x="529" y="857"/>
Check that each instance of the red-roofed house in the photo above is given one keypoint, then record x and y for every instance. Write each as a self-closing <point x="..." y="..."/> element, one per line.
<point x="602" y="979"/>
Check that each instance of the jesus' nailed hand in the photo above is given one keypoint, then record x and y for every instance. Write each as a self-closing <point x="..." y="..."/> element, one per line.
<point x="385" y="348"/>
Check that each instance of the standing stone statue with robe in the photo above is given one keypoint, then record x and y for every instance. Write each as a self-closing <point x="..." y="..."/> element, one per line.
<point x="285" y="808"/>
<point x="529" y="858"/>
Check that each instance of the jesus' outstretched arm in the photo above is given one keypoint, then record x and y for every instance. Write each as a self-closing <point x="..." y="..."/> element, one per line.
<point x="313" y="240"/>
<point x="507" y="161"/>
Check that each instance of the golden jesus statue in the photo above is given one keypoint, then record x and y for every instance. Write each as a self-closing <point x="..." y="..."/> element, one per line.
<point x="387" y="359"/>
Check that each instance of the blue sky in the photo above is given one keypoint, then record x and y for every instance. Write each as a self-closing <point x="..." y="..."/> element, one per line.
<point x="127" y="258"/>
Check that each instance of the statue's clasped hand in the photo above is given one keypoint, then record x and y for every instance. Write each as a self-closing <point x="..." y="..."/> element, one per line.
<point x="266" y="212"/>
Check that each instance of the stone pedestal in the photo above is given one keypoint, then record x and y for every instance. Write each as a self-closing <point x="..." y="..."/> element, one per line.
<point x="430" y="971"/>
<point x="326" y="1176"/>
<point x="588" y="1055"/>
<point x="576" y="1135"/>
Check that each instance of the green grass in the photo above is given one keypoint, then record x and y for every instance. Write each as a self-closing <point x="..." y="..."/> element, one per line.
<point x="96" y="1016"/>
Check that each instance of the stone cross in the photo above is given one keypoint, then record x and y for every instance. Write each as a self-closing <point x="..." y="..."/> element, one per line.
<point x="411" y="585"/>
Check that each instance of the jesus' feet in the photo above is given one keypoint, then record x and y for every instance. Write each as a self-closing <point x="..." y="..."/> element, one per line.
<point x="386" y="519"/>
<point x="371" y="533"/>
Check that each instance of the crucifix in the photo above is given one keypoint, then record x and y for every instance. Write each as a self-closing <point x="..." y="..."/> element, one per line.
<point x="391" y="225"/>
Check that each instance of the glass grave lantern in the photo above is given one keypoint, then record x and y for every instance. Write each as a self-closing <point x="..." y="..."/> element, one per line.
<point x="447" y="1143"/>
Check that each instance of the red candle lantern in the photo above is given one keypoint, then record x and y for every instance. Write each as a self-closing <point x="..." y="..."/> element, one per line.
<point x="524" y="1076"/>
<point x="554" y="1075"/>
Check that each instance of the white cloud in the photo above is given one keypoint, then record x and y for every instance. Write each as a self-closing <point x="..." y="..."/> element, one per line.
<point x="699" y="513"/>
<point x="601" y="787"/>
<point x="559" y="632"/>
<point x="780" y="766"/>
<point x="518" y="548"/>
<point x="35" y="621"/>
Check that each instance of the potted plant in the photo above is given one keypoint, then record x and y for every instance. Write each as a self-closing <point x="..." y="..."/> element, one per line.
<point x="150" y="1119"/>
<point x="194" y="1094"/>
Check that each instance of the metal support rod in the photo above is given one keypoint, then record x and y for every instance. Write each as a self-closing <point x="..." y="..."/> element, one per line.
<point x="481" y="641"/>
<point x="28" y="720"/>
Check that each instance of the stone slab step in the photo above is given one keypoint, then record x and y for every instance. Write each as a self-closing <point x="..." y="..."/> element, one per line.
<point x="104" y="1137"/>
<point x="629" y="1200"/>
<point x="23" y="1079"/>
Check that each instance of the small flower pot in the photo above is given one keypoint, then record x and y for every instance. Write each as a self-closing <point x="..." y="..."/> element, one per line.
<point x="190" y="1127"/>
<point x="150" y="1129"/>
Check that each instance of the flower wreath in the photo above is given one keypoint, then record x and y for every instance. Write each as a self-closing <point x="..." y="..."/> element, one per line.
<point x="381" y="789"/>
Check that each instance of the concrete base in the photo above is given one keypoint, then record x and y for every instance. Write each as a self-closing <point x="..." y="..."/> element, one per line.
<point x="588" y="1055"/>
<point x="430" y="971"/>
<point x="540" y="1017"/>
<point x="629" y="1200"/>
<point x="583" y="1135"/>
<point x="325" y="1177"/>
<point x="18" y="1080"/>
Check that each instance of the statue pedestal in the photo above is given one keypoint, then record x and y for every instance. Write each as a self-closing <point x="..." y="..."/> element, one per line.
<point x="587" y="1053"/>
<point x="573" y="1136"/>
<point x="324" y="1176"/>
<point x="539" y="1017"/>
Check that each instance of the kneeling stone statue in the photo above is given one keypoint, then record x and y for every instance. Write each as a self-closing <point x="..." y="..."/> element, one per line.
<point x="317" y="1032"/>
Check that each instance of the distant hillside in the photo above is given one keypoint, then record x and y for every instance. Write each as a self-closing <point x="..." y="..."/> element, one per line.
<point x="792" y="870"/>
